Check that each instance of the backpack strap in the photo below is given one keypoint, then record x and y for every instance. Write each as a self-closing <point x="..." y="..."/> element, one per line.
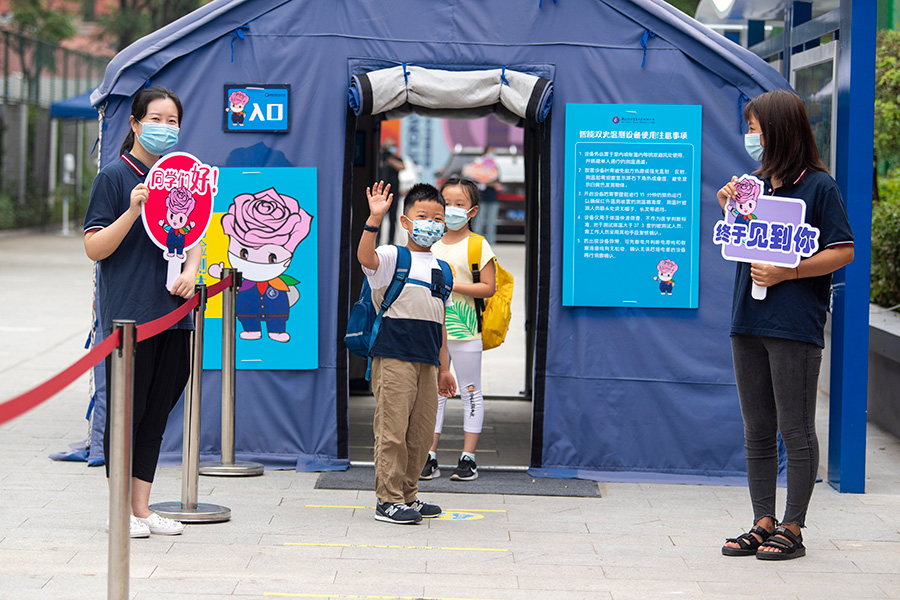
<point x="447" y="288"/>
<point x="475" y="244"/>
<point x="401" y="274"/>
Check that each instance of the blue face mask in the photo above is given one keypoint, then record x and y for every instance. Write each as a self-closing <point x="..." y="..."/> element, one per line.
<point x="156" y="138"/>
<point x="753" y="146"/>
<point x="426" y="233"/>
<point x="456" y="217"/>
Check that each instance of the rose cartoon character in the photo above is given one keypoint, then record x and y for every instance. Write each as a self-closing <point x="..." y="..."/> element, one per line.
<point x="264" y="230"/>
<point x="179" y="205"/>
<point x="666" y="272"/>
<point x="236" y="103"/>
<point x="744" y="202"/>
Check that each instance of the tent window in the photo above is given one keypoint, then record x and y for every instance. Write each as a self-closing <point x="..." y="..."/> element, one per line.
<point x="395" y="92"/>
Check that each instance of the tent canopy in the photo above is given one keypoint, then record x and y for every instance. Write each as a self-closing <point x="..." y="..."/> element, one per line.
<point x="619" y="392"/>
<point x="76" y="107"/>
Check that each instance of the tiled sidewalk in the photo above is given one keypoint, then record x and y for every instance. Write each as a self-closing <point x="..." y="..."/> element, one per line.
<point x="287" y="539"/>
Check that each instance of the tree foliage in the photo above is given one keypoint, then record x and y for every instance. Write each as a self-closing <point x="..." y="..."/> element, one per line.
<point x="887" y="97"/>
<point x="134" y="19"/>
<point x="38" y="22"/>
<point x="34" y="18"/>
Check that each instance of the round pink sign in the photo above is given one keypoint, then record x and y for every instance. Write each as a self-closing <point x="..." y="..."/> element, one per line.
<point x="180" y="204"/>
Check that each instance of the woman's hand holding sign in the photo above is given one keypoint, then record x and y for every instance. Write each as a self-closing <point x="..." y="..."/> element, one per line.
<point x="727" y="192"/>
<point x="139" y="195"/>
<point x="766" y="275"/>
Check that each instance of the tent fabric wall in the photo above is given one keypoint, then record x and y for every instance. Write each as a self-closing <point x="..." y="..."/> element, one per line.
<point x="624" y="393"/>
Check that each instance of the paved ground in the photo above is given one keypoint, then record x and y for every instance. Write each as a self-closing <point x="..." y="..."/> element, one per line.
<point x="289" y="540"/>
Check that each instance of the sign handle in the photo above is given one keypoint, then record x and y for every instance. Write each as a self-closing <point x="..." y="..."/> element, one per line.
<point x="758" y="292"/>
<point x="173" y="270"/>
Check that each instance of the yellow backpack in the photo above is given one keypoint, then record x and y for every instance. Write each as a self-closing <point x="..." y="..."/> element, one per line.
<point x="494" y="313"/>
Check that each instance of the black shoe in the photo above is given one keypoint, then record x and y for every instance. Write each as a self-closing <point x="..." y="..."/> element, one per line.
<point x="430" y="470"/>
<point x="428" y="511"/>
<point x="396" y="512"/>
<point x="466" y="470"/>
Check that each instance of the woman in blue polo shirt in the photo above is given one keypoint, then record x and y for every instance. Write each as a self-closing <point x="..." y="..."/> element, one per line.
<point x="777" y="342"/>
<point x="132" y="285"/>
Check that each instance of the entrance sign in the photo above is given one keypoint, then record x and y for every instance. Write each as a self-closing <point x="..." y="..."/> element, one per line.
<point x="632" y="210"/>
<point x="264" y="226"/>
<point x="764" y="229"/>
<point x="257" y="108"/>
<point x="179" y="206"/>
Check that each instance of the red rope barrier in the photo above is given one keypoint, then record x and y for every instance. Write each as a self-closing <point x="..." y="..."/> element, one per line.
<point x="24" y="402"/>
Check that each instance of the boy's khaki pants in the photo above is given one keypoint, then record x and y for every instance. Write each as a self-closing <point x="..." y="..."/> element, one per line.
<point x="406" y="396"/>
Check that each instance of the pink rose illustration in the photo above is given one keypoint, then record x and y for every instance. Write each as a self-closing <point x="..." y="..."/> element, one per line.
<point x="266" y="217"/>
<point x="747" y="191"/>
<point x="180" y="201"/>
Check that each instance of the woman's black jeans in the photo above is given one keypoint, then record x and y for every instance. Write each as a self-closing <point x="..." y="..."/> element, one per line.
<point x="776" y="381"/>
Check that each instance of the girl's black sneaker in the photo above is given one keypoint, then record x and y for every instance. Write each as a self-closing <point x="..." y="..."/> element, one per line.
<point x="466" y="470"/>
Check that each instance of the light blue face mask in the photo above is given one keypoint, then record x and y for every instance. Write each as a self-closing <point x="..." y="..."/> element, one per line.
<point x="753" y="146"/>
<point x="156" y="138"/>
<point x="426" y="233"/>
<point x="456" y="217"/>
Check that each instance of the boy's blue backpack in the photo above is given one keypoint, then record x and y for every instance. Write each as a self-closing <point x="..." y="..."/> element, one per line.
<point x="364" y="321"/>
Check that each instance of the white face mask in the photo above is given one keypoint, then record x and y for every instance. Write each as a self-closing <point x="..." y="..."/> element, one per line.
<point x="252" y="271"/>
<point x="456" y="217"/>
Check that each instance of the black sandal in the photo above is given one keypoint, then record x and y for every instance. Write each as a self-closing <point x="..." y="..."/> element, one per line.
<point x="747" y="542"/>
<point x="789" y="545"/>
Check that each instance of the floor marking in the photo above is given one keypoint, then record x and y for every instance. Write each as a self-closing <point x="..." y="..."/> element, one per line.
<point x="454" y="450"/>
<point x="474" y="510"/>
<point x="354" y="596"/>
<point x="384" y="546"/>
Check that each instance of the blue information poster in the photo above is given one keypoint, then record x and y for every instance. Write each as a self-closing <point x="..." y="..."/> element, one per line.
<point x="632" y="214"/>
<point x="264" y="225"/>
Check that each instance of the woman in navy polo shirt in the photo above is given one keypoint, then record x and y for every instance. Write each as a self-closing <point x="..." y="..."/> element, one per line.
<point x="777" y="342"/>
<point x="132" y="285"/>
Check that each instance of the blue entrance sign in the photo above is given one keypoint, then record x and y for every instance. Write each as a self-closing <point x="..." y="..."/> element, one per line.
<point x="632" y="212"/>
<point x="256" y="108"/>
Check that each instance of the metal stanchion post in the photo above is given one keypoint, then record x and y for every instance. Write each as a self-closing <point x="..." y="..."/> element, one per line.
<point x="189" y="510"/>
<point x="120" y="427"/>
<point x="227" y="466"/>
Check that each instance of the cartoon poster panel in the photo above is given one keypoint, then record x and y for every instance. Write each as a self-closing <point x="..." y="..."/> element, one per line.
<point x="264" y="225"/>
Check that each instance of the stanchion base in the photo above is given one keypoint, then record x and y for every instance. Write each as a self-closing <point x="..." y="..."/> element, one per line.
<point x="202" y="513"/>
<point x="238" y="468"/>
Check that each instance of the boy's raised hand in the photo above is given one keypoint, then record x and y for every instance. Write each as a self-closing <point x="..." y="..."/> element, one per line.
<point x="379" y="199"/>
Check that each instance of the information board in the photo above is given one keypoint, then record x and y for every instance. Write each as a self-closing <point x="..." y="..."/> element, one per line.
<point x="632" y="205"/>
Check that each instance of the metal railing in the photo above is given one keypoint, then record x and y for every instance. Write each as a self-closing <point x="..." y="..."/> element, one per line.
<point x="40" y="73"/>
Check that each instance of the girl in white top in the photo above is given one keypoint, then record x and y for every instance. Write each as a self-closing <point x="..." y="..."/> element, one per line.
<point x="463" y="335"/>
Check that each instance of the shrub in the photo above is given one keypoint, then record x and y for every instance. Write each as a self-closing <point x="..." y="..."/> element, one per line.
<point x="7" y="212"/>
<point x="886" y="251"/>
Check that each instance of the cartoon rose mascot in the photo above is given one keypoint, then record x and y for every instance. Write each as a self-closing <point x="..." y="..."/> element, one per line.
<point x="264" y="229"/>
<point x="744" y="203"/>
<point x="665" y="276"/>
<point x="179" y="205"/>
<point x="236" y="103"/>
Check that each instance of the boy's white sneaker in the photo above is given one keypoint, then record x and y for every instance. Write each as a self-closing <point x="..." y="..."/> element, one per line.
<point x="162" y="526"/>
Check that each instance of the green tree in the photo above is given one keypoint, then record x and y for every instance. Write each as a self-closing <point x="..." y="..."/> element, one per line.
<point x="887" y="98"/>
<point x="688" y="7"/>
<point x="134" y="19"/>
<point x="44" y="28"/>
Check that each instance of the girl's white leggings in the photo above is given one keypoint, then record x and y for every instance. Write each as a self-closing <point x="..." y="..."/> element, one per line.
<point x="465" y="356"/>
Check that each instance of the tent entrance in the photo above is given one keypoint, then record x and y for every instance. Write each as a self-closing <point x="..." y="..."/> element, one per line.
<point x="508" y="439"/>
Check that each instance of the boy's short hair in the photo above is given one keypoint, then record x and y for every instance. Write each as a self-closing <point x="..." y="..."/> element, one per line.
<point x="420" y="192"/>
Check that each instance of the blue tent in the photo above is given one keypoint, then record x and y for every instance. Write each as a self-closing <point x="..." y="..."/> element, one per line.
<point x="618" y="393"/>
<point x="76" y="107"/>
